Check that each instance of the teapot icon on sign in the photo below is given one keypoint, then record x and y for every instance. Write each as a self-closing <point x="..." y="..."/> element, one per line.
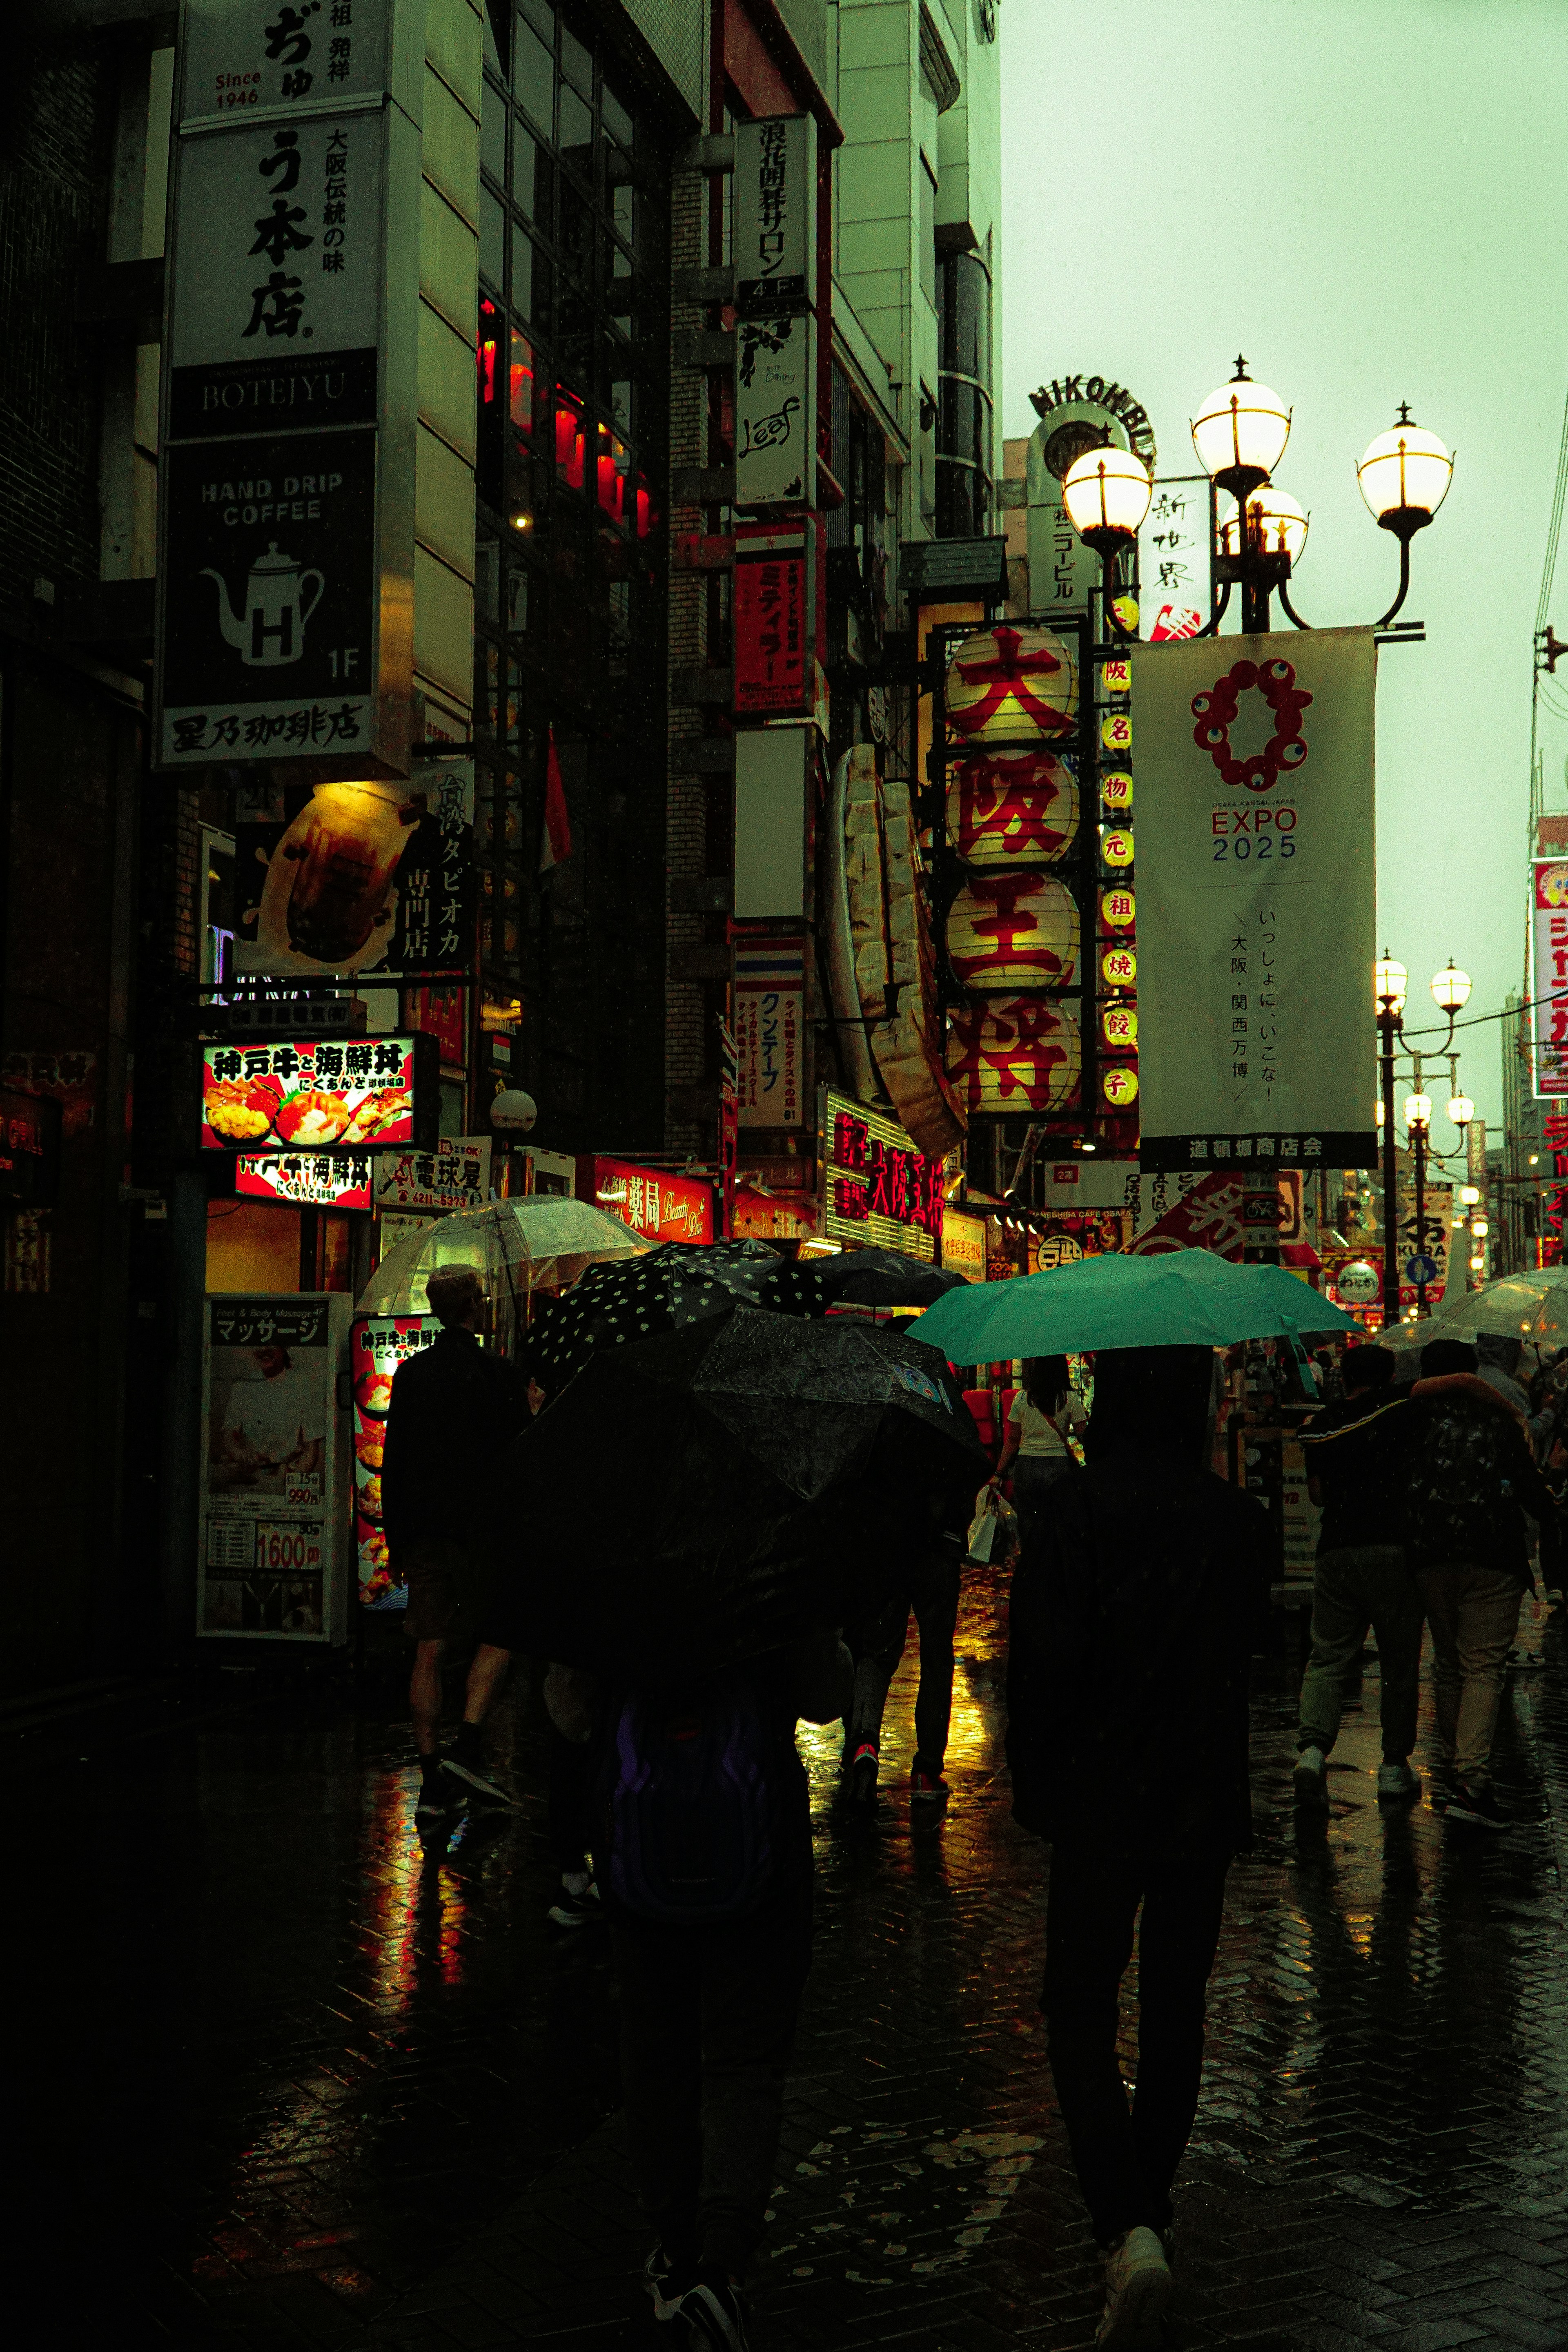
<point x="271" y="631"/>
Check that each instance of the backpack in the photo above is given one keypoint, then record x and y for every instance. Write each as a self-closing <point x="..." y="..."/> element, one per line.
<point x="693" y="1787"/>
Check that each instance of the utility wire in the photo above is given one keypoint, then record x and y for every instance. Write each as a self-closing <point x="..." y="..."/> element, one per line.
<point x="1549" y="568"/>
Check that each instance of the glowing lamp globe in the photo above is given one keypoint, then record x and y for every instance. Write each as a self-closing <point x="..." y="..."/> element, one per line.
<point x="1106" y="493"/>
<point x="1461" y="1109"/>
<point x="1451" y="987"/>
<point x="1389" y="982"/>
<point x="1276" y="525"/>
<point x="1417" y="1111"/>
<point x="1241" y="432"/>
<point x="1404" y="478"/>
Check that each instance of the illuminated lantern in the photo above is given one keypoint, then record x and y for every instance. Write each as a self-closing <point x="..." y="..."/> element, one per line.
<point x="1013" y="930"/>
<point x="1012" y="685"/>
<point x="1116" y="848"/>
<point x="1116" y="789"/>
<point x="1118" y="907"/>
<point x="1116" y="730"/>
<point x="1004" y="806"/>
<point x="1014" y="1053"/>
<point x="1119" y="1027"/>
<point x="1119" y="967"/>
<point x="1116" y="677"/>
<point x="1120" y="1087"/>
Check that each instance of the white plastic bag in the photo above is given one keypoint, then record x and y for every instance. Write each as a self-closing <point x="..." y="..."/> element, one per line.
<point x="985" y="1527"/>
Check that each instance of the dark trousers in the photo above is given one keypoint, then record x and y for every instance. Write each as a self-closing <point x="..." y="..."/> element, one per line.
<point x="1127" y="2160"/>
<point x="1368" y="1584"/>
<point x="707" y="2021"/>
<point x="1033" y="1479"/>
<point x="878" y="1647"/>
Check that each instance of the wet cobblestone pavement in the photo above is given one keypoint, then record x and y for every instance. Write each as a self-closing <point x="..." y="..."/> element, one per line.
<point x="284" y="2079"/>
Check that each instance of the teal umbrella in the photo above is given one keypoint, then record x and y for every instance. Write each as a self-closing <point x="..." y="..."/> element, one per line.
<point x="1169" y="1300"/>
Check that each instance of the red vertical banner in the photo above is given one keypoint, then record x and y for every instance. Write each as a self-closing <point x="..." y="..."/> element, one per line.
<point x="440" y="1011"/>
<point x="773" y="611"/>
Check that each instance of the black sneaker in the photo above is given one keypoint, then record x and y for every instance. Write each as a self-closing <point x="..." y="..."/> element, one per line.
<point x="464" y="1764"/>
<point x="435" y="1805"/>
<point x="1477" y="1805"/>
<point x="1443" y="1786"/>
<point x="716" y="2314"/>
<point x="667" y="2278"/>
<point x="569" y="1910"/>
<point x="860" y="1778"/>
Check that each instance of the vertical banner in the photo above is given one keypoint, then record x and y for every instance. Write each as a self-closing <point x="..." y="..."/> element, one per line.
<point x="775" y="641"/>
<point x="775" y="411"/>
<point x="776" y="213"/>
<point x="1549" y="973"/>
<point x="769" y="1030"/>
<point x="1256" y="906"/>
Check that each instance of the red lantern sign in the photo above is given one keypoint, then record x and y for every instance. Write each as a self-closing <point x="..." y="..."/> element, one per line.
<point x="1007" y="807"/>
<point x="1015" y="1055"/>
<point x="1014" y="930"/>
<point x="1012" y="685"/>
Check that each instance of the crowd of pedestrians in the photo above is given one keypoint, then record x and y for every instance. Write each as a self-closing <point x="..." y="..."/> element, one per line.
<point x="678" y="1814"/>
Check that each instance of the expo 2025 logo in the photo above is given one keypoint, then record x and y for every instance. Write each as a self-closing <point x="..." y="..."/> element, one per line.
<point x="1216" y="711"/>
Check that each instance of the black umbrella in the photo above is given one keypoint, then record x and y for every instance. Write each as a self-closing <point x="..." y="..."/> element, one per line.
<point x="663" y="1290"/>
<point x="695" y="1498"/>
<point x="880" y="1277"/>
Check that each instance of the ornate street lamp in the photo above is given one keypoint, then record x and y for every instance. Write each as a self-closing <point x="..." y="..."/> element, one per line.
<point x="1390" y="981"/>
<point x="1106" y="493"/>
<point x="1404" y="478"/>
<point x="1418" y="1128"/>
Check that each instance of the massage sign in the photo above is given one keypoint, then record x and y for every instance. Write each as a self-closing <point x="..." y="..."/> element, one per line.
<point x="1256" y="926"/>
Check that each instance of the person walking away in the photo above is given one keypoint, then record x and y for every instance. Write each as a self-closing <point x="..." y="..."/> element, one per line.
<point x="454" y="1409"/>
<point x="1357" y="1463"/>
<point x="1472" y="1480"/>
<point x="703" y="1854"/>
<point x="1135" y="1606"/>
<point x="877" y="1647"/>
<point x="1044" y="1414"/>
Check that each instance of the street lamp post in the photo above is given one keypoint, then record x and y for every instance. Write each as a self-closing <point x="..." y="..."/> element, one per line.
<point x="1389" y="982"/>
<point x="1417" y="1124"/>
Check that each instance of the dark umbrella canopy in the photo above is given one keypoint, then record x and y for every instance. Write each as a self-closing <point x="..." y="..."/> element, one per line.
<point x="663" y="1290"/>
<point x="703" y="1495"/>
<point x="881" y="1278"/>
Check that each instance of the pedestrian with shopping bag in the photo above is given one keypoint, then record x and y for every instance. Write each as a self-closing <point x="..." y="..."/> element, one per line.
<point x="1045" y="1416"/>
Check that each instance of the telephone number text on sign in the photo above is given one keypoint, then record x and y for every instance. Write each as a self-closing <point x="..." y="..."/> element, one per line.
<point x="288" y="1550"/>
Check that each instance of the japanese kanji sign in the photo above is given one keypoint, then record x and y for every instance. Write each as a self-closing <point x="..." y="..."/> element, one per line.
<point x="1549" y="964"/>
<point x="776" y="213"/>
<point x="877" y="1188"/>
<point x="769" y="1005"/>
<point x="455" y="1175"/>
<point x="316" y="1091"/>
<point x="1256" y="856"/>
<point x="307" y="1180"/>
<point x="663" y="1208"/>
<point x="358" y="878"/>
<point x="240" y="56"/>
<point x="775" y="649"/>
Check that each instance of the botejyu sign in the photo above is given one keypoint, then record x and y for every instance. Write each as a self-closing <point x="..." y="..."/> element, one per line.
<point x="1256" y="900"/>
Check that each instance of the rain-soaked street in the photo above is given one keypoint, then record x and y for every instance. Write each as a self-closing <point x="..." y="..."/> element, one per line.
<point x="287" y="2080"/>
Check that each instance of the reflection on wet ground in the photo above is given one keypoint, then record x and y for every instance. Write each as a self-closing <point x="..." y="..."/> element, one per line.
<point x="286" y="2077"/>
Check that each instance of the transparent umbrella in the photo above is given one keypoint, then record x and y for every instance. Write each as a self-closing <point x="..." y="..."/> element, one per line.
<point x="520" y="1249"/>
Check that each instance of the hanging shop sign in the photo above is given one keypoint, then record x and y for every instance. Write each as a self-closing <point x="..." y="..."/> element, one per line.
<point x="378" y="1345"/>
<point x="305" y="1180"/>
<point x="442" y="1010"/>
<point x="774" y="1216"/>
<point x="1176" y="538"/>
<point x="1014" y="1054"/>
<point x="1208" y="1216"/>
<point x="29" y="1150"/>
<point x="775" y="213"/>
<point x="274" y="1500"/>
<point x="773" y="613"/>
<point x="316" y="1091"/>
<point x="1549" y="967"/>
<point x="1011" y="686"/>
<point x="954" y="571"/>
<point x="358" y="878"/>
<point x="775" y="411"/>
<point x="455" y="1175"/>
<point x="1014" y="930"/>
<point x="1256" y="933"/>
<point x="661" y="1207"/>
<point x="240" y="56"/>
<point x="1012" y="807"/>
<point x="964" y="1245"/>
<point x="876" y="1186"/>
<point x="770" y="1008"/>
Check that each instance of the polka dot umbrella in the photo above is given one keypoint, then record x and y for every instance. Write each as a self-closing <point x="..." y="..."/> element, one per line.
<point x="663" y="1290"/>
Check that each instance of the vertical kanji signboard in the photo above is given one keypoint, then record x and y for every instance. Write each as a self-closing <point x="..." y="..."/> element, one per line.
<point x="285" y="564"/>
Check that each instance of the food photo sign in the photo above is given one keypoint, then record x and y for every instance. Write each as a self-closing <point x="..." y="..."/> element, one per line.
<point x="311" y="1093"/>
<point x="379" y="1344"/>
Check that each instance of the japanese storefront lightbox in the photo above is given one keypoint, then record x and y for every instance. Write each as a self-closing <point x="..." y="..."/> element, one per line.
<point x="1014" y="930"/>
<point x="378" y="1345"/>
<point x="661" y="1207"/>
<point x="964" y="1245"/>
<point x="1256" y="934"/>
<point x="774" y="215"/>
<point x="455" y="1175"/>
<point x="877" y="1188"/>
<point x="770" y="1005"/>
<point x="1548" y="948"/>
<point x="774" y="602"/>
<point x="357" y="878"/>
<point x="321" y="1090"/>
<point x="274" y="1500"/>
<point x="1012" y="807"/>
<point x="1012" y="685"/>
<point x="29" y="1150"/>
<point x="305" y="1180"/>
<point x="775" y="411"/>
<point x="1013" y="1055"/>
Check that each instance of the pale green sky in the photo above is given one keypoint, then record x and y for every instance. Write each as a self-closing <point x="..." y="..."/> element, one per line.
<point x="1365" y="196"/>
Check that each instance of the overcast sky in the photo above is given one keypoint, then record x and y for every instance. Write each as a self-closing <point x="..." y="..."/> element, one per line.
<point x="1365" y="196"/>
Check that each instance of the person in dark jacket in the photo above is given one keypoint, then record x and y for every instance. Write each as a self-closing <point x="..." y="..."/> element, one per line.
<point x="1472" y="1480"/>
<point x="1135" y="1611"/>
<point x="454" y="1410"/>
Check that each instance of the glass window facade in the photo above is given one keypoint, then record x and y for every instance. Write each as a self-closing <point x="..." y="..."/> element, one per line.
<point x="964" y="426"/>
<point x="569" y="618"/>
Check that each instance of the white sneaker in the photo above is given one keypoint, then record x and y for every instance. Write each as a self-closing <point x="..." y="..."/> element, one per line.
<point x="1310" y="1780"/>
<point x="1137" y="2289"/>
<point x="1396" y="1780"/>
